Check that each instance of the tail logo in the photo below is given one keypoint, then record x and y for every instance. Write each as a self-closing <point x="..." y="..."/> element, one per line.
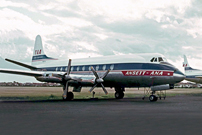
<point x="37" y="52"/>
<point x="184" y="65"/>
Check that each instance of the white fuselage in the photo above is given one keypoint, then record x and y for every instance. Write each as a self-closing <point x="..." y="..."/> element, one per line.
<point x="125" y="70"/>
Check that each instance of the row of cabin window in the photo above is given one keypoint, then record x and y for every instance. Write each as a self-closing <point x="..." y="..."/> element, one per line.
<point x="84" y="67"/>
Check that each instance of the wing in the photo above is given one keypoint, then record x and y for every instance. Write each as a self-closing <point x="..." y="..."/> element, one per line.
<point x="41" y="75"/>
<point x="22" y="72"/>
<point x="21" y="64"/>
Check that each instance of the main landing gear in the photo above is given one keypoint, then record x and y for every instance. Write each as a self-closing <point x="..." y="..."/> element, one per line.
<point x="119" y="93"/>
<point x="69" y="96"/>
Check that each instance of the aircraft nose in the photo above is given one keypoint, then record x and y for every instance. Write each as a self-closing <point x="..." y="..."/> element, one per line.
<point x="178" y="77"/>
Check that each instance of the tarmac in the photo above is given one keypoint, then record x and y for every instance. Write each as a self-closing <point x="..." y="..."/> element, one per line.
<point x="129" y="116"/>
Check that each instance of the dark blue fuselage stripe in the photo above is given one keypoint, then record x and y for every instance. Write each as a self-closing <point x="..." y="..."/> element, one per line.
<point x="192" y="76"/>
<point x="120" y="66"/>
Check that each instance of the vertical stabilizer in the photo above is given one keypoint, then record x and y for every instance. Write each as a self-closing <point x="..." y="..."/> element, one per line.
<point x="38" y="53"/>
<point x="186" y="64"/>
<point x="38" y="48"/>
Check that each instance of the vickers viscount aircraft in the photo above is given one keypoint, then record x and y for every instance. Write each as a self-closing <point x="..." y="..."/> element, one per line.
<point x="138" y="70"/>
<point x="193" y="75"/>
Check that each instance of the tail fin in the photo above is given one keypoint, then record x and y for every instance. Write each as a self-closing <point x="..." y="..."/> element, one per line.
<point x="186" y="64"/>
<point x="38" y="54"/>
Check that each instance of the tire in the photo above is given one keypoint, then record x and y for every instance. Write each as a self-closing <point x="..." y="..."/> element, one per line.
<point x="152" y="98"/>
<point x="70" y="96"/>
<point x="119" y="95"/>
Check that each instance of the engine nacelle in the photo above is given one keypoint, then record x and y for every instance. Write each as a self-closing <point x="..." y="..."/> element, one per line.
<point x="162" y="87"/>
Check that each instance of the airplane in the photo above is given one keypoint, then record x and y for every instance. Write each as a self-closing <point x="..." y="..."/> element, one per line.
<point x="119" y="72"/>
<point x="193" y="75"/>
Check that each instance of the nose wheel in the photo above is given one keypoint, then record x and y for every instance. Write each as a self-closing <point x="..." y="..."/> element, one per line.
<point x="153" y="98"/>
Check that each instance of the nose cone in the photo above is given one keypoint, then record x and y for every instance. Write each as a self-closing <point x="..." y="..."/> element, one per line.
<point x="178" y="76"/>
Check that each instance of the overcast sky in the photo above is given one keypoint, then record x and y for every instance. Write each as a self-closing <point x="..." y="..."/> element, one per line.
<point x="82" y="28"/>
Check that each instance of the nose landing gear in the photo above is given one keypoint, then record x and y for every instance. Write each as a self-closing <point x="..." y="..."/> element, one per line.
<point x="153" y="98"/>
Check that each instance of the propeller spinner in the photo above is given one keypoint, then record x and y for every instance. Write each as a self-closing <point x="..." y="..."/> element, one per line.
<point x="99" y="80"/>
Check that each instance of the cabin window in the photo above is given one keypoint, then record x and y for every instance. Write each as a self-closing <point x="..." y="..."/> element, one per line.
<point x="56" y="69"/>
<point x="61" y="69"/>
<point x="155" y="60"/>
<point x="72" y="68"/>
<point x="77" y="68"/>
<point x="104" y="67"/>
<point x="112" y="67"/>
<point x="83" y="68"/>
<point x="89" y="68"/>
<point x="97" y="67"/>
<point x="66" y="69"/>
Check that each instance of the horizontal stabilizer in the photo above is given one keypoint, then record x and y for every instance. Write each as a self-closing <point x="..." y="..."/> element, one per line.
<point x="22" y="64"/>
<point x="200" y="77"/>
<point x="21" y="72"/>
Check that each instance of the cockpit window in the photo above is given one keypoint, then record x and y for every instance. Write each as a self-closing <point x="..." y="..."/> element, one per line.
<point x="152" y="59"/>
<point x="160" y="59"/>
<point x="164" y="59"/>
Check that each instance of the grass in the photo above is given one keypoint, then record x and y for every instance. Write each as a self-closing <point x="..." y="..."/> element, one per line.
<point x="55" y="93"/>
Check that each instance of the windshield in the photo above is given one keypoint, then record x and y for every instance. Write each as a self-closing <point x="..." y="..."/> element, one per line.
<point x="158" y="59"/>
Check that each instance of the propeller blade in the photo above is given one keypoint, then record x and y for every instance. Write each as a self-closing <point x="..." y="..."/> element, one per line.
<point x="104" y="89"/>
<point x="66" y="86"/>
<point x="69" y="67"/>
<point x="65" y="91"/>
<point x="94" y="72"/>
<point x="93" y="88"/>
<point x="106" y="73"/>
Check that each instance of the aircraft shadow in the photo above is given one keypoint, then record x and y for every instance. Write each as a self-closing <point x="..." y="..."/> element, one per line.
<point x="76" y="100"/>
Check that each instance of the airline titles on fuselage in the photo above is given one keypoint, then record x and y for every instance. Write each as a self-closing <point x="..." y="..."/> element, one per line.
<point x="147" y="73"/>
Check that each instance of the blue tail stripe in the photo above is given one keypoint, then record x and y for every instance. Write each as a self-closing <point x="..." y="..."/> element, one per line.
<point x="189" y="68"/>
<point x="41" y="57"/>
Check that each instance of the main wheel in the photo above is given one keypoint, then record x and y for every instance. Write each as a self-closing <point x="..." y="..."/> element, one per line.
<point x="119" y="95"/>
<point x="69" y="96"/>
<point x="153" y="98"/>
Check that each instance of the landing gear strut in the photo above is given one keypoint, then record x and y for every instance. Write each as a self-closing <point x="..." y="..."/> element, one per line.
<point x="119" y="93"/>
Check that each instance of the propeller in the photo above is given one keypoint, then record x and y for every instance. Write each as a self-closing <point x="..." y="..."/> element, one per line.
<point x="66" y="78"/>
<point x="66" y="75"/>
<point x="99" y="80"/>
